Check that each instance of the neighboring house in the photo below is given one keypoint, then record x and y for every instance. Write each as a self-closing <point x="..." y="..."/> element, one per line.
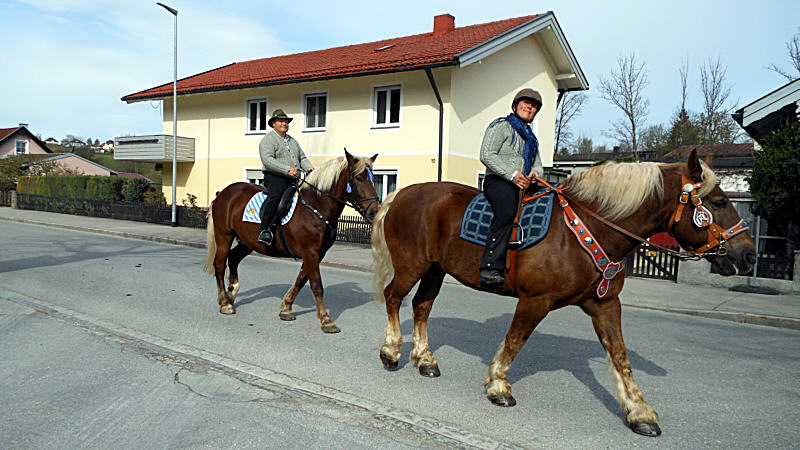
<point x="421" y="102"/>
<point x="72" y="163"/>
<point x="733" y="164"/>
<point x="108" y="146"/>
<point x="51" y="141"/>
<point x="20" y="141"/>
<point x="762" y="117"/>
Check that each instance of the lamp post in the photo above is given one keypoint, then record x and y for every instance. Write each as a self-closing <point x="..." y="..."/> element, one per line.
<point x="174" y="12"/>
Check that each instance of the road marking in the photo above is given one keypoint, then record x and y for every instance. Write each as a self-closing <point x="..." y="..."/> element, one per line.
<point x="382" y="416"/>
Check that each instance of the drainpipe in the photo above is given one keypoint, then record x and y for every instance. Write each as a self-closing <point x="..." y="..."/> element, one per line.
<point x="441" y="119"/>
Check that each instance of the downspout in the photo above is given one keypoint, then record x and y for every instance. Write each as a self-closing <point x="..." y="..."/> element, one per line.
<point x="441" y="118"/>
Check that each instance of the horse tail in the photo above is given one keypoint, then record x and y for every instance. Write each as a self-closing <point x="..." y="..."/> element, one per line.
<point x="383" y="269"/>
<point x="211" y="243"/>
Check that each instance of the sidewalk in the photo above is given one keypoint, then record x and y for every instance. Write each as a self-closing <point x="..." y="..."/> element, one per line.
<point x="781" y="311"/>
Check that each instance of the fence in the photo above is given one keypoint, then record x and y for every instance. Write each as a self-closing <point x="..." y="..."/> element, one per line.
<point x="5" y="198"/>
<point x="352" y="229"/>
<point x="646" y="261"/>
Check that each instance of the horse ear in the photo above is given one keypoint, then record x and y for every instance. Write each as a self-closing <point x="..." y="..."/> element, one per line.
<point x="693" y="164"/>
<point x="372" y="160"/>
<point x="708" y="160"/>
<point x="348" y="156"/>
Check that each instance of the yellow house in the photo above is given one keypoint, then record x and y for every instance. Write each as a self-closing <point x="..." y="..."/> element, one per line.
<point x="421" y="102"/>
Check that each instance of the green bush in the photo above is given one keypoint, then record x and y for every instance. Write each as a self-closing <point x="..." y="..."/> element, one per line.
<point x="75" y="186"/>
<point x="133" y="189"/>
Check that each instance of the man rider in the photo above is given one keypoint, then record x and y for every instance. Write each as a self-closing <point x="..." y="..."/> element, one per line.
<point x="283" y="159"/>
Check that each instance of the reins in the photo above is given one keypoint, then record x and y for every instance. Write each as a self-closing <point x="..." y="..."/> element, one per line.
<point x="719" y="237"/>
<point x="353" y="204"/>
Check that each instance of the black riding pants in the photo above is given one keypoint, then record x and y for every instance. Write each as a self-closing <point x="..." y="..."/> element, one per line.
<point x="274" y="187"/>
<point x="503" y="195"/>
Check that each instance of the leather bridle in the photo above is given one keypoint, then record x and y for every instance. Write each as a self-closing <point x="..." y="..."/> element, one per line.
<point x="355" y="204"/>
<point x="702" y="218"/>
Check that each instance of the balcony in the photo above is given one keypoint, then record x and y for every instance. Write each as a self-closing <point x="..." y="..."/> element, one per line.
<point x="153" y="148"/>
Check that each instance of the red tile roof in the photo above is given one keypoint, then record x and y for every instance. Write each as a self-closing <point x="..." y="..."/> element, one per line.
<point x="6" y="131"/>
<point x="389" y="55"/>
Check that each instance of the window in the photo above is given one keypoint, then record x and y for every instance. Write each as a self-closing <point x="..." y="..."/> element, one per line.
<point x="257" y="115"/>
<point x="255" y="176"/>
<point x="22" y="147"/>
<point x="315" y="111"/>
<point x="386" y="106"/>
<point x="385" y="182"/>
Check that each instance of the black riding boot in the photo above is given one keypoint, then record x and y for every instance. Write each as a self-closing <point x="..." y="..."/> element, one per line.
<point x="265" y="235"/>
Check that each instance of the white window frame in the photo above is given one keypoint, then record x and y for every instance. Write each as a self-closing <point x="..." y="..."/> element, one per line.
<point x="258" y="180"/>
<point x="247" y="104"/>
<point x="306" y="95"/>
<point x="374" y="106"/>
<point x="386" y="171"/>
<point x="16" y="147"/>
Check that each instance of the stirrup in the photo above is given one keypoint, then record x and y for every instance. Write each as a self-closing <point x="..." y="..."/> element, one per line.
<point x="520" y="235"/>
<point x="266" y="237"/>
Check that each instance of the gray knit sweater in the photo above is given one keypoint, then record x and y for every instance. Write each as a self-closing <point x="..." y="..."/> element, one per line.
<point x="503" y="150"/>
<point x="279" y="154"/>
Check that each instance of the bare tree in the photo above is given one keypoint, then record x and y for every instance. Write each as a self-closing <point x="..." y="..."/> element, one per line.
<point x="624" y="89"/>
<point x="684" y="71"/>
<point x="793" y="50"/>
<point x="715" y="97"/>
<point x="571" y="105"/>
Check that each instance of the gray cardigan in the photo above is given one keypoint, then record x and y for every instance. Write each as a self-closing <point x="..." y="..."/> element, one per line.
<point x="503" y="150"/>
<point x="278" y="155"/>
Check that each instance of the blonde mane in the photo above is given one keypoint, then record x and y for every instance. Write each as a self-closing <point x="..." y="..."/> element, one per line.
<point x="619" y="189"/>
<point x="328" y="172"/>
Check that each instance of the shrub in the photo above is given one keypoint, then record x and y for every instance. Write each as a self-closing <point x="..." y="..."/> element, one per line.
<point x="133" y="189"/>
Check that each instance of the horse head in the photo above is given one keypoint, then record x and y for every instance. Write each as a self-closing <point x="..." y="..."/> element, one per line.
<point x="361" y="192"/>
<point x="706" y="222"/>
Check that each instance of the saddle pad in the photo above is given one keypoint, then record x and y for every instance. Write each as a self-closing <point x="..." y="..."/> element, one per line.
<point x="534" y="220"/>
<point x="253" y="209"/>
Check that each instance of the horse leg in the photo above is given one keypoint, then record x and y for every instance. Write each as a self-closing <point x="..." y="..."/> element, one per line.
<point x="395" y="291"/>
<point x="423" y="300"/>
<point x="311" y="265"/>
<point x="527" y="316"/>
<point x="234" y="258"/>
<point x="641" y="417"/>
<point x="220" y="262"/>
<point x="288" y="299"/>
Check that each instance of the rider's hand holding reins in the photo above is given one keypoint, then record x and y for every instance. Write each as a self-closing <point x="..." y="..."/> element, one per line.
<point x="521" y="180"/>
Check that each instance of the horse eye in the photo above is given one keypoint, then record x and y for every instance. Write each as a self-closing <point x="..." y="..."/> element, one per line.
<point x="719" y="203"/>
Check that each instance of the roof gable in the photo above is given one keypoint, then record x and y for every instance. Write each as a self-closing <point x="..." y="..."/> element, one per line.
<point x="7" y="133"/>
<point x="426" y="50"/>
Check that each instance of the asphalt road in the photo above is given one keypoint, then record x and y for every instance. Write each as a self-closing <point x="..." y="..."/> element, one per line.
<point x="113" y="342"/>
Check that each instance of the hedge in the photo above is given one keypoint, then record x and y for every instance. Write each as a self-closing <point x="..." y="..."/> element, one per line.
<point x="81" y="186"/>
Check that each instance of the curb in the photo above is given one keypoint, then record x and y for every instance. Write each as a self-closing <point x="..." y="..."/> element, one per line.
<point x="738" y="317"/>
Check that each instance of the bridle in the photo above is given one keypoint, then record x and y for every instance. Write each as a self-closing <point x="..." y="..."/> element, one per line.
<point x="355" y="204"/>
<point x="702" y="218"/>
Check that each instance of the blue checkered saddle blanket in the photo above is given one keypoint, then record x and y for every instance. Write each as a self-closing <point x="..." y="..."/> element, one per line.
<point x="534" y="220"/>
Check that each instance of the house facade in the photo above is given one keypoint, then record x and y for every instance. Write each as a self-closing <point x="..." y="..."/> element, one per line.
<point x="421" y="102"/>
<point x="20" y="141"/>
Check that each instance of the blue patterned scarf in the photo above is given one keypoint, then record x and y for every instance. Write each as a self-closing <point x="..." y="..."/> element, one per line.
<point x="531" y="143"/>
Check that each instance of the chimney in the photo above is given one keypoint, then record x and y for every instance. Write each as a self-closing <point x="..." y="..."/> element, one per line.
<point x="23" y="125"/>
<point x="443" y="24"/>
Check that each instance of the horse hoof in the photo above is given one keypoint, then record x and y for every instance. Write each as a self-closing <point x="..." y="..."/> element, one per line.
<point x="330" y="328"/>
<point x="429" y="371"/>
<point x="227" y="309"/>
<point x="287" y="316"/>
<point x="649" y="429"/>
<point x="505" y="401"/>
<point x="388" y="364"/>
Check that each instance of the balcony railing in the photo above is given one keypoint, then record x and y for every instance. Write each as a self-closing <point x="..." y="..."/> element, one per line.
<point x="155" y="148"/>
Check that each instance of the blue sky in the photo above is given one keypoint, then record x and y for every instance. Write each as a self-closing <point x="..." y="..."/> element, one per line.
<point x="67" y="63"/>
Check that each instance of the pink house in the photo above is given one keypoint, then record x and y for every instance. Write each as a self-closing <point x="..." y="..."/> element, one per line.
<point x="20" y="141"/>
<point x="72" y="163"/>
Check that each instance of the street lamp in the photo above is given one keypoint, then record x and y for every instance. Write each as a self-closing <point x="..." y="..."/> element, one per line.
<point x="174" y="12"/>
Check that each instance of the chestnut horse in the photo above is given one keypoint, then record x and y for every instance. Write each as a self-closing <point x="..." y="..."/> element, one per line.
<point x="415" y="238"/>
<point x="309" y="234"/>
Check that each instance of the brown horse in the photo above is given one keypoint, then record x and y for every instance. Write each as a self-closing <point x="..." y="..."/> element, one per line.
<point x="415" y="240"/>
<point x="309" y="234"/>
